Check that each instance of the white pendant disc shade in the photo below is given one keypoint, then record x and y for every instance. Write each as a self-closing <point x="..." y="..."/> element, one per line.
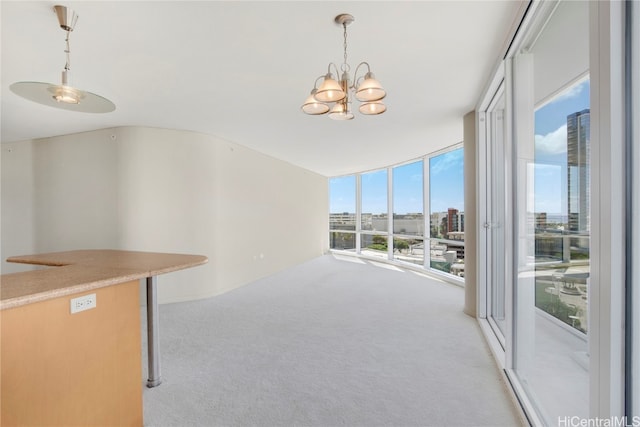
<point x="370" y="89"/>
<point x="330" y="90"/>
<point x="71" y="99"/>
<point x="62" y="95"/>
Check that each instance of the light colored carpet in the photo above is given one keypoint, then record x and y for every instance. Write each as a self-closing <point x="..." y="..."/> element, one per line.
<point x="327" y="343"/>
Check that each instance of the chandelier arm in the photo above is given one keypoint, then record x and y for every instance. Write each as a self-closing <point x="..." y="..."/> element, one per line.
<point x="315" y="84"/>
<point x="334" y="66"/>
<point x="355" y="75"/>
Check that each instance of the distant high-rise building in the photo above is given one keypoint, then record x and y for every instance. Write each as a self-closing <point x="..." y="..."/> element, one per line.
<point x="455" y="220"/>
<point x="452" y="220"/>
<point x="578" y="170"/>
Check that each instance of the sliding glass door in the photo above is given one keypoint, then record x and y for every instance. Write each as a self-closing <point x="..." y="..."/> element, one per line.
<point x="559" y="213"/>
<point x="552" y="215"/>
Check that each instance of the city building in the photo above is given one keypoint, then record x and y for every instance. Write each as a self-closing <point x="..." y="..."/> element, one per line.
<point x="452" y="220"/>
<point x="578" y="170"/>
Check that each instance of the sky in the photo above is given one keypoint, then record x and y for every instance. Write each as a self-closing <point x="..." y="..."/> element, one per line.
<point x="447" y="187"/>
<point x="447" y="170"/>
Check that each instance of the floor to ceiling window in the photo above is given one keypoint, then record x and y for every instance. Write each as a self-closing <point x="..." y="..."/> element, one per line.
<point x="408" y="213"/>
<point x="561" y="212"/>
<point x="374" y="220"/>
<point x="342" y="213"/>
<point x="554" y="362"/>
<point x="381" y="213"/>
<point x="446" y="216"/>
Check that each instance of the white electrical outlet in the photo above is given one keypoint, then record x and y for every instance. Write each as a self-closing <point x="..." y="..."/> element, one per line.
<point x="85" y="302"/>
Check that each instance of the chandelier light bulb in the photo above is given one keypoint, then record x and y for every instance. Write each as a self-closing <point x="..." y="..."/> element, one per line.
<point x="67" y="94"/>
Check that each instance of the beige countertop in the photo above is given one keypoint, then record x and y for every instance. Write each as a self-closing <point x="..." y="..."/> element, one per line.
<point x="83" y="270"/>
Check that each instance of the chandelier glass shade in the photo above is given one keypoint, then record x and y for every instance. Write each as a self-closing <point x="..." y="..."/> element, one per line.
<point x="314" y="107"/>
<point x="335" y="96"/>
<point x="370" y="89"/>
<point x="63" y="96"/>
<point x="330" y="90"/>
<point x="372" y="108"/>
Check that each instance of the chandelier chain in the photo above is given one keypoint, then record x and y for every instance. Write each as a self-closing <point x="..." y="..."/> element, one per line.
<point x="345" y="65"/>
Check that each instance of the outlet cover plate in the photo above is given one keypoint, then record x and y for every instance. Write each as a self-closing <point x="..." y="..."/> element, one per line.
<point x="85" y="302"/>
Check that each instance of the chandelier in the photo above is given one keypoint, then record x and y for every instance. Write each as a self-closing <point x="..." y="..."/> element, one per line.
<point x="335" y="96"/>
<point x="63" y="96"/>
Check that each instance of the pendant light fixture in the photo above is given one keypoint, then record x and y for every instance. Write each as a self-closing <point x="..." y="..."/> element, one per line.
<point x="63" y="96"/>
<point x="335" y="96"/>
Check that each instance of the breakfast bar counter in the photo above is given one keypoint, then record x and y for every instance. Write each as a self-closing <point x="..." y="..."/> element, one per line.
<point x="84" y="270"/>
<point x="71" y="339"/>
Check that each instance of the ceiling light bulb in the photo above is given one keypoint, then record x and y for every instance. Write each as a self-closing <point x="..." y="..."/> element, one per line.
<point x="67" y="94"/>
<point x="370" y="89"/>
<point x="330" y="90"/>
<point x="372" y="108"/>
<point x="314" y="107"/>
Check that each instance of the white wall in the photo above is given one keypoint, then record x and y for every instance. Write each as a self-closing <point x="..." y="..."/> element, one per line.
<point x="17" y="187"/>
<point x="58" y="194"/>
<point x="166" y="191"/>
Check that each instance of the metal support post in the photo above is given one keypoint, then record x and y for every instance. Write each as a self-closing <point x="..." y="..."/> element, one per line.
<point x="153" y="337"/>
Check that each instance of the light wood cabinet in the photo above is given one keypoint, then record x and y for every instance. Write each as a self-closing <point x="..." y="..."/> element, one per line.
<point x="69" y="369"/>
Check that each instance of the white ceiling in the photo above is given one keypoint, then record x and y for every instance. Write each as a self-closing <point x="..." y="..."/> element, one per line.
<point x="240" y="70"/>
